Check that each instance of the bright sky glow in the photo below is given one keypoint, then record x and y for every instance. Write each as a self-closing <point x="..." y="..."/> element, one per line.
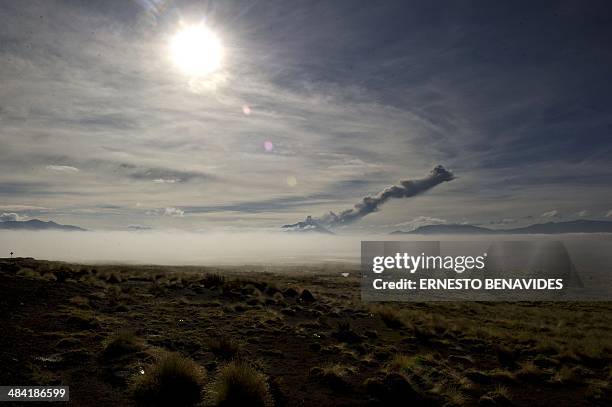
<point x="196" y="50"/>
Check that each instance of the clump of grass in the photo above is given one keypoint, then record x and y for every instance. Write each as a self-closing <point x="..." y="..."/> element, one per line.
<point x="566" y="375"/>
<point x="113" y="278"/>
<point x="391" y="317"/>
<point x="173" y="380"/>
<point x="597" y="391"/>
<point x="79" y="301"/>
<point x="403" y="363"/>
<point x="212" y="280"/>
<point x="529" y="371"/>
<point x="344" y="326"/>
<point x="593" y="348"/>
<point x="501" y="391"/>
<point x="501" y="375"/>
<point x="157" y="289"/>
<point x="500" y="396"/>
<point x="335" y="376"/>
<point x="238" y="384"/>
<point x="122" y="343"/>
<point x="225" y="347"/>
<point x="422" y="367"/>
<point x="29" y="273"/>
<point x="454" y="396"/>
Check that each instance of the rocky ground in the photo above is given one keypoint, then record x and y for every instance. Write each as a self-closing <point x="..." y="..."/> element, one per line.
<point x="303" y="329"/>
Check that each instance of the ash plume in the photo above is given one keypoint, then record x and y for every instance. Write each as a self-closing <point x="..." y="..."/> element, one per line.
<point x="369" y="204"/>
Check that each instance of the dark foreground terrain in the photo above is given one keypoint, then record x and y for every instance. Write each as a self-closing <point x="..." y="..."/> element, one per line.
<point x="122" y="335"/>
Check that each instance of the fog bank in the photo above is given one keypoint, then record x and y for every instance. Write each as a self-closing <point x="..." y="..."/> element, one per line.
<point x="180" y="248"/>
<point x="236" y="248"/>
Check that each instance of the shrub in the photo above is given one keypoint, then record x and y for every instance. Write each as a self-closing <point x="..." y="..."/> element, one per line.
<point x="122" y="343"/>
<point x="173" y="380"/>
<point x="239" y="384"/>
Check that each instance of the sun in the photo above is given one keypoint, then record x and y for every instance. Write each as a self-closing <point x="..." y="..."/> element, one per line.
<point x="196" y="50"/>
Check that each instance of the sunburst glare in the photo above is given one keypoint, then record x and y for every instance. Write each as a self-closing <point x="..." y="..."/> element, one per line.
<point x="196" y="50"/>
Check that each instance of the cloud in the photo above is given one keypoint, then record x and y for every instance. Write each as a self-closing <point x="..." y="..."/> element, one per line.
<point x="5" y="217"/>
<point x="111" y="97"/>
<point x="421" y="221"/>
<point x="160" y="175"/>
<point x="169" y="211"/>
<point x="583" y="213"/>
<point x="506" y="221"/>
<point x="62" y="168"/>
<point x="174" y="212"/>
<point x="21" y="208"/>
<point x="165" y="181"/>
<point x="550" y="214"/>
<point x="609" y="214"/>
<point x="369" y="204"/>
<point x="139" y="227"/>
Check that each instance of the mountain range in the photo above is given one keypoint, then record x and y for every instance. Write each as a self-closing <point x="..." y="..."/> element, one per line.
<point x="575" y="226"/>
<point x="37" y="224"/>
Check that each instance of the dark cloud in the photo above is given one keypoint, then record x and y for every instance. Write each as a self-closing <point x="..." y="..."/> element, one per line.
<point x="369" y="204"/>
<point x="161" y="175"/>
<point x="139" y="227"/>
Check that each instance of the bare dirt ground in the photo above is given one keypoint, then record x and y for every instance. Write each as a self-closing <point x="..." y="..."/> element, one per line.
<point x="304" y="328"/>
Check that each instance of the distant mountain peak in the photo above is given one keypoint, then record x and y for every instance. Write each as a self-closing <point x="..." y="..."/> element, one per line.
<point x="447" y="229"/>
<point x="37" y="224"/>
<point x="574" y="226"/>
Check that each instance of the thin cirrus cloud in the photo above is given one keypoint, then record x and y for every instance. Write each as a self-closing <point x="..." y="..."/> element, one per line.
<point x="166" y="180"/>
<point x="421" y="221"/>
<point x="91" y="89"/>
<point x="66" y="169"/>
<point x="169" y="211"/>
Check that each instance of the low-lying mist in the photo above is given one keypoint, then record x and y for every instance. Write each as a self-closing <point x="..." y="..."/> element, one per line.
<point x="237" y="248"/>
<point x="180" y="248"/>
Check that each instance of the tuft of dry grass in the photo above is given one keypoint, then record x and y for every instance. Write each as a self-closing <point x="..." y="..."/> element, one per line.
<point x="454" y="397"/>
<point x="239" y="384"/>
<point x="335" y="376"/>
<point x="173" y="380"/>
<point x="566" y="375"/>
<point x="529" y="371"/>
<point x="29" y="273"/>
<point x="390" y="316"/>
<point x="122" y="343"/>
<point x="501" y="391"/>
<point x="403" y="363"/>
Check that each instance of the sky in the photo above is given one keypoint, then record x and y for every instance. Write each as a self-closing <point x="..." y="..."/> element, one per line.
<point x="314" y="105"/>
